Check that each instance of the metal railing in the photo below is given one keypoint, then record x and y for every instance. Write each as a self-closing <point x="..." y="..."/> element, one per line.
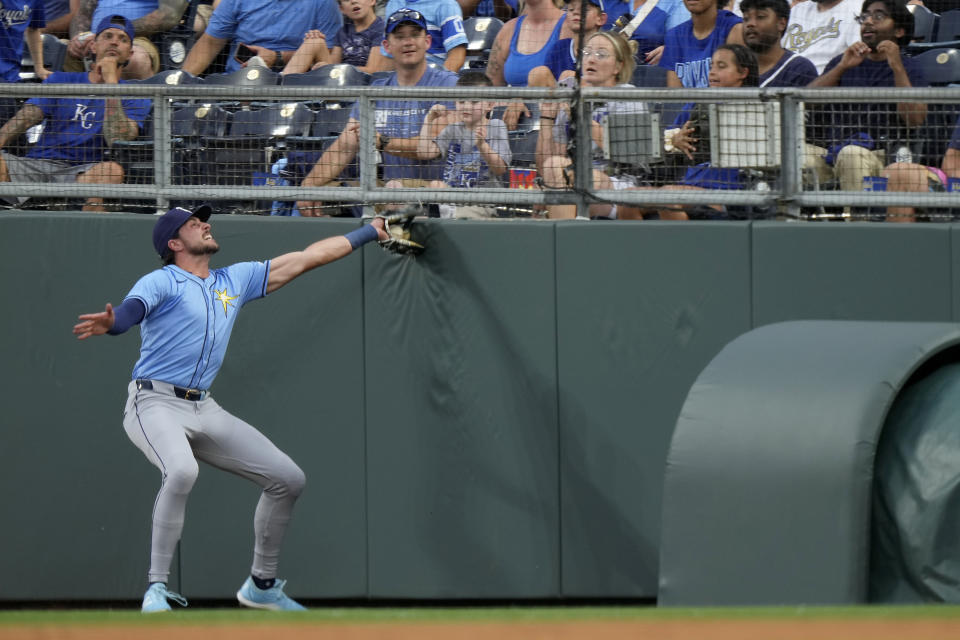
<point x="790" y="195"/>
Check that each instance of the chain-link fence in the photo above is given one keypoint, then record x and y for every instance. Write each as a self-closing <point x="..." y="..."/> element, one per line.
<point x="647" y="153"/>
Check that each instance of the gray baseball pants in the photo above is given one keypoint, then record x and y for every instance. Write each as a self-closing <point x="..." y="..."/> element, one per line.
<point x="173" y="434"/>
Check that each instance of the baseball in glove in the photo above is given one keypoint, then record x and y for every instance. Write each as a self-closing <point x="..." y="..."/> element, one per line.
<point x="397" y="225"/>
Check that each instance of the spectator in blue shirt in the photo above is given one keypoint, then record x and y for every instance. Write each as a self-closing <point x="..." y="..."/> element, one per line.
<point x="649" y="28"/>
<point x="398" y="122"/>
<point x="562" y="57"/>
<point x="59" y="13"/>
<point x="274" y="29"/>
<point x="77" y="130"/>
<point x="22" y="21"/>
<point x="688" y="48"/>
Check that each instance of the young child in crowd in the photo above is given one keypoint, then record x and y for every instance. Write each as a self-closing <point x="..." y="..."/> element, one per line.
<point x="474" y="147"/>
<point x="361" y="30"/>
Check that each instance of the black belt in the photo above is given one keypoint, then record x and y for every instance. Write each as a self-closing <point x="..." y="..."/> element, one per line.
<point x="193" y="395"/>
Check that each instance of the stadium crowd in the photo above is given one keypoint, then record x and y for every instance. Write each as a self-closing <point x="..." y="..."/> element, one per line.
<point x="852" y="146"/>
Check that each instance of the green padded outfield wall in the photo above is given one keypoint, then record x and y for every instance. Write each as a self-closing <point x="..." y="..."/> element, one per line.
<point x="770" y="473"/>
<point x="488" y="420"/>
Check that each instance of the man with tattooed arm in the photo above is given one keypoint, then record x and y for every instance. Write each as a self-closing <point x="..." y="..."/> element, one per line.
<point x="78" y="129"/>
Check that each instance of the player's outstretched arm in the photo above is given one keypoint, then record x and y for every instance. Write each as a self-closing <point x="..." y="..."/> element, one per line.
<point x="112" y="321"/>
<point x="94" y="324"/>
<point x="285" y="268"/>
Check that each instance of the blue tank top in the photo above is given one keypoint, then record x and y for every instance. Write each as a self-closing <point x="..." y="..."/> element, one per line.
<point x="518" y="65"/>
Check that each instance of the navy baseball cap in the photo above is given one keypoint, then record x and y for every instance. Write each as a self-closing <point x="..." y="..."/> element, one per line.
<point x="116" y="22"/>
<point x="169" y="224"/>
<point x="405" y="15"/>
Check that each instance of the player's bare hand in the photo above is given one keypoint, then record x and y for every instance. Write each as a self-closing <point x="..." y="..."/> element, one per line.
<point x="378" y="224"/>
<point x="42" y="73"/>
<point x="94" y="324"/>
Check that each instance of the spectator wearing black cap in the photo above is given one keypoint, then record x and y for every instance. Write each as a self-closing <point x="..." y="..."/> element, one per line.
<point x="399" y="122"/>
<point x="78" y="129"/>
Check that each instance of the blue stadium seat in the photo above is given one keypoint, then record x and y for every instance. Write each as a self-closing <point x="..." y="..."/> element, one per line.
<point x="256" y="139"/>
<point x="924" y="23"/>
<point x="948" y="27"/>
<point x="480" y="32"/>
<point x="173" y="45"/>
<point x="330" y="75"/>
<point x="171" y="77"/>
<point x="940" y="66"/>
<point x="253" y="76"/>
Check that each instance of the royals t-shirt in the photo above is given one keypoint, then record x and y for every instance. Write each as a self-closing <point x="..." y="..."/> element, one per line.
<point x="688" y="56"/>
<point x="72" y="126"/>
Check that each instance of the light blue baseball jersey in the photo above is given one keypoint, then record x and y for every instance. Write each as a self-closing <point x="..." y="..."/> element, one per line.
<point x="188" y="320"/>
<point x="444" y="24"/>
<point x="688" y="56"/>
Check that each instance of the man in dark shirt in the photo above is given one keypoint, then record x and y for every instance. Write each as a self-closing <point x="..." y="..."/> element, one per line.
<point x="764" y="22"/>
<point x="860" y="128"/>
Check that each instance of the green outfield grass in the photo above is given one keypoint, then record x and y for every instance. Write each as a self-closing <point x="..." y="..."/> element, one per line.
<point x="472" y="614"/>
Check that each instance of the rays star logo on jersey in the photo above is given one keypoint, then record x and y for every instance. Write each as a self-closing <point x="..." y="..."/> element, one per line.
<point x="224" y="299"/>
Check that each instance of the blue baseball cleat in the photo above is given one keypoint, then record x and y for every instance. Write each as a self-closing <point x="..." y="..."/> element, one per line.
<point x="273" y="598"/>
<point x="155" y="599"/>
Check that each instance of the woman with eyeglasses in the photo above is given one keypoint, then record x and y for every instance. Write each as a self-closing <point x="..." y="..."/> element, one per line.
<point x="607" y="62"/>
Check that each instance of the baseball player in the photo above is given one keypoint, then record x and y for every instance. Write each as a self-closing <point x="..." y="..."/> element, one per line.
<point x="186" y="311"/>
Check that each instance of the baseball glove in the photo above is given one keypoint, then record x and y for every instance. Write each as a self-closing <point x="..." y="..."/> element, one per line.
<point x="397" y="225"/>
